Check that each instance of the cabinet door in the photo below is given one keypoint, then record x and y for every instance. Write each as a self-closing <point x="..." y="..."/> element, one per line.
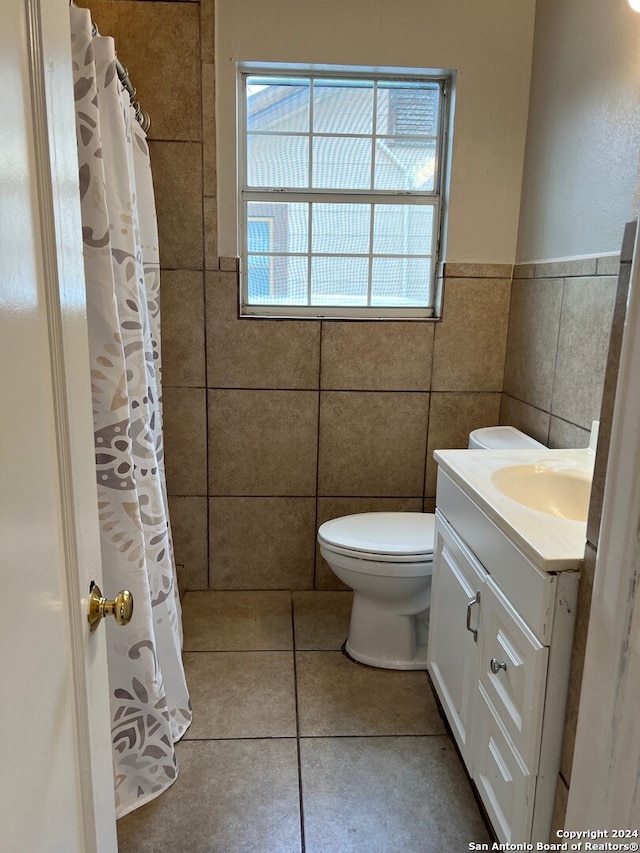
<point x="452" y="651"/>
<point x="505" y="784"/>
<point x="513" y="672"/>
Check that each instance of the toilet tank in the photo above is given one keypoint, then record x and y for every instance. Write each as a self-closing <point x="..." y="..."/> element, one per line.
<point x="501" y="437"/>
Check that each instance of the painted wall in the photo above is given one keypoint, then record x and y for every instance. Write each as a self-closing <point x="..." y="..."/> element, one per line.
<point x="580" y="181"/>
<point x="488" y="43"/>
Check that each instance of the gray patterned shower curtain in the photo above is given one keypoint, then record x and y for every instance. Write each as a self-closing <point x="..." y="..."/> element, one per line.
<point x="150" y="706"/>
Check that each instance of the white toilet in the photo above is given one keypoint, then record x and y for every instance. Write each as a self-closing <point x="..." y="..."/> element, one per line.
<point x="387" y="559"/>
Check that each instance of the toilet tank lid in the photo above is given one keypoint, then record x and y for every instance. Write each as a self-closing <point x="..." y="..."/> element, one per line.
<point x="501" y="438"/>
<point x="393" y="533"/>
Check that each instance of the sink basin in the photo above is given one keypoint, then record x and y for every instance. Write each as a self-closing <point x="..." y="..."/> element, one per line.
<point x="562" y="492"/>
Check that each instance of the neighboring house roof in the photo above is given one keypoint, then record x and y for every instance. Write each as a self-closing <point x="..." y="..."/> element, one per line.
<point x="274" y="102"/>
<point x="408" y="111"/>
<point x="411" y="111"/>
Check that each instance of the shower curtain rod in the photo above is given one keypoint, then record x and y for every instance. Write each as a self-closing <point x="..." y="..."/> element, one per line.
<point x="142" y="116"/>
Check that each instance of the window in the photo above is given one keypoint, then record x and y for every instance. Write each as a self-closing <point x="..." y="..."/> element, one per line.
<point x="341" y="196"/>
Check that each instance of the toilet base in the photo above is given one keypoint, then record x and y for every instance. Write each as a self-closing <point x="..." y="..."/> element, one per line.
<point x="419" y="662"/>
<point x="387" y="640"/>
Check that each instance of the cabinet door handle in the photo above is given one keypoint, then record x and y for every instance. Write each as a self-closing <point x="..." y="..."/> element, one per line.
<point x="474" y="631"/>
<point x="497" y="665"/>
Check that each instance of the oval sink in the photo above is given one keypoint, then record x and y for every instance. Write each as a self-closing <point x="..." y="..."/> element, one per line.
<point x="556" y="491"/>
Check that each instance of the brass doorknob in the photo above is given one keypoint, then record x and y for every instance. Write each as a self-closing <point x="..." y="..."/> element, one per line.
<point x="121" y="607"/>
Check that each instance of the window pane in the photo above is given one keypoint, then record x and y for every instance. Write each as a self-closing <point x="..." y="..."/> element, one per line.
<point x="288" y="231"/>
<point x="341" y="163"/>
<point x="407" y="109"/>
<point x="341" y="228"/>
<point x="402" y="228"/>
<point x="400" y="281"/>
<point x="260" y="234"/>
<point x="260" y="278"/>
<point x="341" y="106"/>
<point x="281" y="105"/>
<point x="277" y="161"/>
<point x="404" y="164"/>
<point x="277" y="280"/>
<point x="339" y="281"/>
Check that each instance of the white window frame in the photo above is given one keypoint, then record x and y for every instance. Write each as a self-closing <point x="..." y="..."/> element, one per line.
<point x="436" y="198"/>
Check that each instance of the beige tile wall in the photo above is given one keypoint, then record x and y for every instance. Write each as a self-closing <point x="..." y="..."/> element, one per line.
<point x="324" y="418"/>
<point x="557" y="343"/>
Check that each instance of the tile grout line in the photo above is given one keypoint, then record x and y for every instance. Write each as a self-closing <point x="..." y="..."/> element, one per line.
<point x="315" y="549"/>
<point x="203" y="300"/>
<point x="444" y="735"/>
<point x="295" y="698"/>
<point x="236" y="651"/>
<point x="555" y="360"/>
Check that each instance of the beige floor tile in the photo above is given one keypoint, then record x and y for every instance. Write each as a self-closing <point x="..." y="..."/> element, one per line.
<point x="387" y="795"/>
<point x="321" y="619"/>
<point x="337" y="696"/>
<point x="221" y="621"/>
<point x="241" y="694"/>
<point x="230" y="797"/>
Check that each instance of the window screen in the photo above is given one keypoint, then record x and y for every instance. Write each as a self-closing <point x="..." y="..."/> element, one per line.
<point x="341" y="195"/>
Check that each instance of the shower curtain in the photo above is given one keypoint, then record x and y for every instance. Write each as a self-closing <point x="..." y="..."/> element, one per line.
<point x="150" y="706"/>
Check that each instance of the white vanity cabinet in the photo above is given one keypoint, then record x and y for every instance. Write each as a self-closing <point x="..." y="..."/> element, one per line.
<point x="499" y="651"/>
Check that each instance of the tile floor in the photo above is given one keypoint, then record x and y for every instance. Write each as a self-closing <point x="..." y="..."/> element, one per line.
<point x="294" y="748"/>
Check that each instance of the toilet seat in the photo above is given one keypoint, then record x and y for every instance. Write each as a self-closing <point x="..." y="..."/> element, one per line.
<point x="383" y="537"/>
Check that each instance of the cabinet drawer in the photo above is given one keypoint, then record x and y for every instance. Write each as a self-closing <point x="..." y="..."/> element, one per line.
<point x="505" y="784"/>
<point x="531" y="589"/>
<point x="513" y="670"/>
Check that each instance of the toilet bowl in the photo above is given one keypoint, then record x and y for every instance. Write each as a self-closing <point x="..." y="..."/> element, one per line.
<point x="387" y="559"/>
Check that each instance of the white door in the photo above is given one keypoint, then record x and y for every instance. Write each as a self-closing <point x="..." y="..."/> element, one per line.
<point x="56" y="792"/>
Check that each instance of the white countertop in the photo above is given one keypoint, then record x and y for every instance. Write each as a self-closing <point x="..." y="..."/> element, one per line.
<point x="552" y="543"/>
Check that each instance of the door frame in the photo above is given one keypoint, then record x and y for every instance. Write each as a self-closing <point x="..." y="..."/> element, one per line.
<point x="603" y="793"/>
